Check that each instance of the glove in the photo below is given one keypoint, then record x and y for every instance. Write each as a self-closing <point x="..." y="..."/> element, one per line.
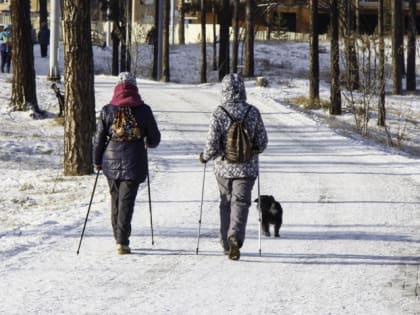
<point x="98" y="167"/>
<point x="201" y="158"/>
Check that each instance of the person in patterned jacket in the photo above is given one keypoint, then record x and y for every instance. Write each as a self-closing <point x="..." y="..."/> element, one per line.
<point x="235" y="180"/>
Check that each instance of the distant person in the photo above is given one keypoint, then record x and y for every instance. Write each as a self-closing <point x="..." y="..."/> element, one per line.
<point x="125" y="130"/>
<point x="6" y="48"/>
<point x="44" y="39"/>
<point x="235" y="179"/>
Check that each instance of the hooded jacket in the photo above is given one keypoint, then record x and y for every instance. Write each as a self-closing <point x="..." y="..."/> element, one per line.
<point x="125" y="160"/>
<point x="234" y="101"/>
<point x="6" y="39"/>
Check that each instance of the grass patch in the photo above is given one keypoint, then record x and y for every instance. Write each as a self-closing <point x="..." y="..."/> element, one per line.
<point x="307" y="103"/>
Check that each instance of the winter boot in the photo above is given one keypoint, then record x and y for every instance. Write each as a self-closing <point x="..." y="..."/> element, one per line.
<point x="123" y="249"/>
<point x="234" y="253"/>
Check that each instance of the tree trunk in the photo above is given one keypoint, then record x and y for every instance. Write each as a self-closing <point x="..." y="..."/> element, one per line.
<point x="165" y="44"/>
<point x="381" y="74"/>
<point x="155" y="43"/>
<point x="79" y="88"/>
<point x="115" y="52"/>
<point x="224" y="20"/>
<point x="235" y="43"/>
<point x="214" y="36"/>
<point x="250" y="9"/>
<point x="411" y="47"/>
<point x="123" y="36"/>
<point x="203" y="44"/>
<point x="129" y="13"/>
<point x="335" y="106"/>
<point x="397" y="47"/>
<point x="351" y="56"/>
<point x="43" y="12"/>
<point x="181" y="25"/>
<point x="23" y="84"/>
<point x="314" y="55"/>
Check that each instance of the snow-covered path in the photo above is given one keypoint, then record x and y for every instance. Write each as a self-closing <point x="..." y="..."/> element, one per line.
<point x="349" y="243"/>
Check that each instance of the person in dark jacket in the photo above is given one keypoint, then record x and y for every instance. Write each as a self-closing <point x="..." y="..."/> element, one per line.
<point x="235" y="180"/>
<point x="44" y="39"/>
<point x="6" y="48"/>
<point x="125" y="130"/>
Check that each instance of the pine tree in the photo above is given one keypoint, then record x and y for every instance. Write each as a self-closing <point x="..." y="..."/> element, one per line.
<point x="23" y="84"/>
<point x="79" y="88"/>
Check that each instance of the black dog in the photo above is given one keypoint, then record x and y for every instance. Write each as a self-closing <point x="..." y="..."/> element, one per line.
<point x="272" y="213"/>
<point x="60" y="98"/>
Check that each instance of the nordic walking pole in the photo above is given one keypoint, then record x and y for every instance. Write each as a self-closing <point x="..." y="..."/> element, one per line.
<point x="87" y="214"/>
<point x="259" y="213"/>
<point x="201" y="209"/>
<point x="150" y="199"/>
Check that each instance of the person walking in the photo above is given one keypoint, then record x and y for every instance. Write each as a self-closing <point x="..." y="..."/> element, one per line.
<point x="44" y="39"/>
<point x="6" y="48"/>
<point x="126" y="129"/>
<point x="235" y="180"/>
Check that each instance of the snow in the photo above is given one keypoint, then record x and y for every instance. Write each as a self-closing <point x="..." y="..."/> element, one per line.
<point x="349" y="243"/>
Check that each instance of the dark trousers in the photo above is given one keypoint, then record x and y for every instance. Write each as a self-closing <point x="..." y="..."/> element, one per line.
<point x="44" y="49"/>
<point x="123" y="196"/>
<point x="6" y="58"/>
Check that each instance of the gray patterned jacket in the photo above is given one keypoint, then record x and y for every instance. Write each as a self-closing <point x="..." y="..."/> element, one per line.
<point x="234" y="101"/>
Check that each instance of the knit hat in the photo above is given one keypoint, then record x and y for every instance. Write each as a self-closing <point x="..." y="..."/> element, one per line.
<point x="127" y="77"/>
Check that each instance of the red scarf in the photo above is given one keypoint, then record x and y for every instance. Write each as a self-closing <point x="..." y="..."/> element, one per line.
<point x="126" y="95"/>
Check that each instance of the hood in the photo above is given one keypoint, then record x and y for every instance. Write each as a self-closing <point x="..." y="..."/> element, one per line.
<point x="126" y="94"/>
<point x="233" y="89"/>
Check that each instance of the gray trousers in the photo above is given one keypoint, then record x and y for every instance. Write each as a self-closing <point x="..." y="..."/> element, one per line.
<point x="235" y="200"/>
<point x="123" y="196"/>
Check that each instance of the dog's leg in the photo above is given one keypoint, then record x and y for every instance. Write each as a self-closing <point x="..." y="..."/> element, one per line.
<point x="265" y="227"/>
<point x="276" y="230"/>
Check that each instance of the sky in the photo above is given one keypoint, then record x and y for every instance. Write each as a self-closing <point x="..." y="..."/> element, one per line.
<point x="349" y="243"/>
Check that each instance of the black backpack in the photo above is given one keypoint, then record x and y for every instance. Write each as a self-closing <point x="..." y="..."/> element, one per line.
<point x="239" y="144"/>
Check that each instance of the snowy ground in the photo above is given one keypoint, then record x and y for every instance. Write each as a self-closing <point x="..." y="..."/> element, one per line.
<point x="349" y="244"/>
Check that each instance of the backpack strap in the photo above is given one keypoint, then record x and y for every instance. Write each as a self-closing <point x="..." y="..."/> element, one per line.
<point x="230" y="116"/>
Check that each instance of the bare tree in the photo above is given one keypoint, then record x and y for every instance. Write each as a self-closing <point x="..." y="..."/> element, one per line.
<point x="235" y="44"/>
<point x="156" y="39"/>
<point x="411" y="47"/>
<point x="43" y="12"/>
<point x="397" y="47"/>
<point x="250" y="9"/>
<point x="79" y="88"/>
<point x="203" y="44"/>
<point x="352" y="66"/>
<point x="213" y="10"/>
<point x="314" y="55"/>
<point x="181" y="26"/>
<point x="23" y="84"/>
<point x="381" y="74"/>
<point x="165" y="43"/>
<point x="224" y="21"/>
<point x="335" y="106"/>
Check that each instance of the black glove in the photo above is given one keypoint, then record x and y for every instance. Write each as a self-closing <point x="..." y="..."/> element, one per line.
<point x="202" y="160"/>
<point x="98" y="167"/>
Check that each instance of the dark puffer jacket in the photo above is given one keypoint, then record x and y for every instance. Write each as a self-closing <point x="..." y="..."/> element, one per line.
<point x="125" y="160"/>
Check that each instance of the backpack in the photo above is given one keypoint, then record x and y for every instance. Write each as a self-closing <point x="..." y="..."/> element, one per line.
<point x="238" y="145"/>
<point x="124" y="126"/>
